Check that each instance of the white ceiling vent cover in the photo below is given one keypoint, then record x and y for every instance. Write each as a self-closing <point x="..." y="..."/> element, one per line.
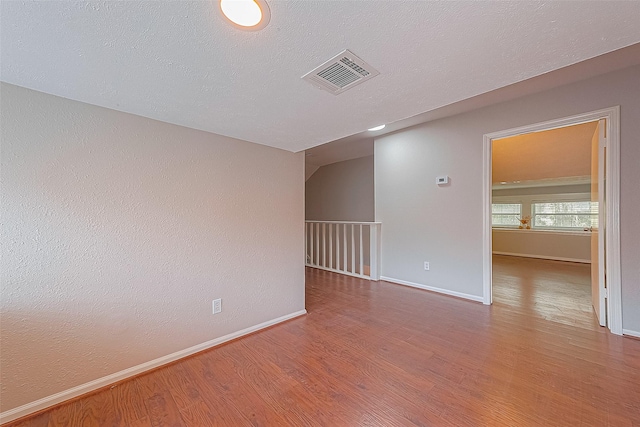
<point x="340" y="73"/>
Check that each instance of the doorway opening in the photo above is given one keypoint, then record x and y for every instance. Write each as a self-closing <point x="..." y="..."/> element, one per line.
<point x="542" y="211"/>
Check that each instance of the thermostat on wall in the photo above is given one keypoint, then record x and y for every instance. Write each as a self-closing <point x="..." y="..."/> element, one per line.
<point x="442" y="180"/>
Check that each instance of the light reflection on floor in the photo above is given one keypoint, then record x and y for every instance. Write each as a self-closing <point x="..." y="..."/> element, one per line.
<point x="552" y="290"/>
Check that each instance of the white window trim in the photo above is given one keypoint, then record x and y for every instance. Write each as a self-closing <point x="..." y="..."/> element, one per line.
<point x="512" y="200"/>
<point x="553" y="198"/>
<point x="527" y="201"/>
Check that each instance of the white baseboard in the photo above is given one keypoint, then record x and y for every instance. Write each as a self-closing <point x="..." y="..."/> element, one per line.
<point x="631" y="333"/>
<point x="552" y="258"/>
<point x="347" y="273"/>
<point x="433" y="289"/>
<point x="54" y="399"/>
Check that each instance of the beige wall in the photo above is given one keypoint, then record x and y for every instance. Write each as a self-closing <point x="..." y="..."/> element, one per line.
<point x="341" y="191"/>
<point x="119" y="231"/>
<point x="564" y="246"/>
<point x="556" y="153"/>
<point x="443" y="225"/>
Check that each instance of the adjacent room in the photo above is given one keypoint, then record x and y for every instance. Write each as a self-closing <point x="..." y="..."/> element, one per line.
<point x="543" y="221"/>
<point x="314" y="213"/>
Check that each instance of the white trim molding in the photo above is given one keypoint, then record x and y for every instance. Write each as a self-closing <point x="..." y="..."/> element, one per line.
<point x="551" y="231"/>
<point x="433" y="289"/>
<point x="631" y="333"/>
<point x="54" y="399"/>
<point x="487" y="223"/>
<point x="612" y="256"/>
<point x="346" y="273"/>
<point x="552" y="258"/>
<point x="549" y="182"/>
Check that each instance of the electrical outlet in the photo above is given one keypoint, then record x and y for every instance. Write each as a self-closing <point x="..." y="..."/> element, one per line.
<point x="426" y="265"/>
<point x="217" y="306"/>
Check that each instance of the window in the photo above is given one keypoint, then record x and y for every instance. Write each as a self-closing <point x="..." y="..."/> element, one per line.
<point x="505" y="214"/>
<point x="576" y="215"/>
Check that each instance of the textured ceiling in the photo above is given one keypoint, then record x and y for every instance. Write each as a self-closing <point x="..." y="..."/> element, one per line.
<point x="179" y="62"/>
<point x="361" y="144"/>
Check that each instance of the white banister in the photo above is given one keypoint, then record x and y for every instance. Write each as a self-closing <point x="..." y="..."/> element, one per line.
<point x="344" y="247"/>
<point x="374" y="250"/>
<point x="365" y="264"/>
<point x="338" y="246"/>
<point x="317" y="240"/>
<point x="330" y="245"/>
<point x="324" y="245"/>
<point x="360" y="270"/>
<point x="310" y="242"/>
<point x="353" y="251"/>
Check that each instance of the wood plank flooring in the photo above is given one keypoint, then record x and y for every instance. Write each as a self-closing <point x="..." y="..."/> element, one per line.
<point x="552" y="290"/>
<point x="379" y="354"/>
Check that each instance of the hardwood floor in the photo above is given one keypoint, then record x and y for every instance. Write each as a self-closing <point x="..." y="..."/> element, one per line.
<point x="379" y="354"/>
<point x="552" y="290"/>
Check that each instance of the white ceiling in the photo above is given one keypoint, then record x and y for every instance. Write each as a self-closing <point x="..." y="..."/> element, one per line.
<point x="361" y="144"/>
<point x="559" y="154"/>
<point x="179" y="62"/>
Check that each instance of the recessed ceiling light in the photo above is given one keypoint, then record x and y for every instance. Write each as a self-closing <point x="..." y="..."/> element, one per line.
<point x="249" y="15"/>
<point x="376" y="128"/>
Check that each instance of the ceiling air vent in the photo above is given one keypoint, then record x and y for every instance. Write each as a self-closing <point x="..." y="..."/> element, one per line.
<point x="340" y="73"/>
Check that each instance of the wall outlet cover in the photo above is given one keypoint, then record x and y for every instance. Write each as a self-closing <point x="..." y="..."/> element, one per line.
<point x="217" y="306"/>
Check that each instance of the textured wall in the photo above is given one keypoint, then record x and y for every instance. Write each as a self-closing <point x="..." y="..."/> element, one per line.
<point x="423" y="222"/>
<point x="341" y="191"/>
<point x="117" y="233"/>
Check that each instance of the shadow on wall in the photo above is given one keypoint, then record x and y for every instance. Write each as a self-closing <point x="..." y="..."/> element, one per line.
<point x="118" y="232"/>
<point x="34" y="339"/>
<point x="341" y="191"/>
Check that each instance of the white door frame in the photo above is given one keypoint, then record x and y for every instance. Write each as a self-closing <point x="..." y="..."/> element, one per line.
<point x="612" y="204"/>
